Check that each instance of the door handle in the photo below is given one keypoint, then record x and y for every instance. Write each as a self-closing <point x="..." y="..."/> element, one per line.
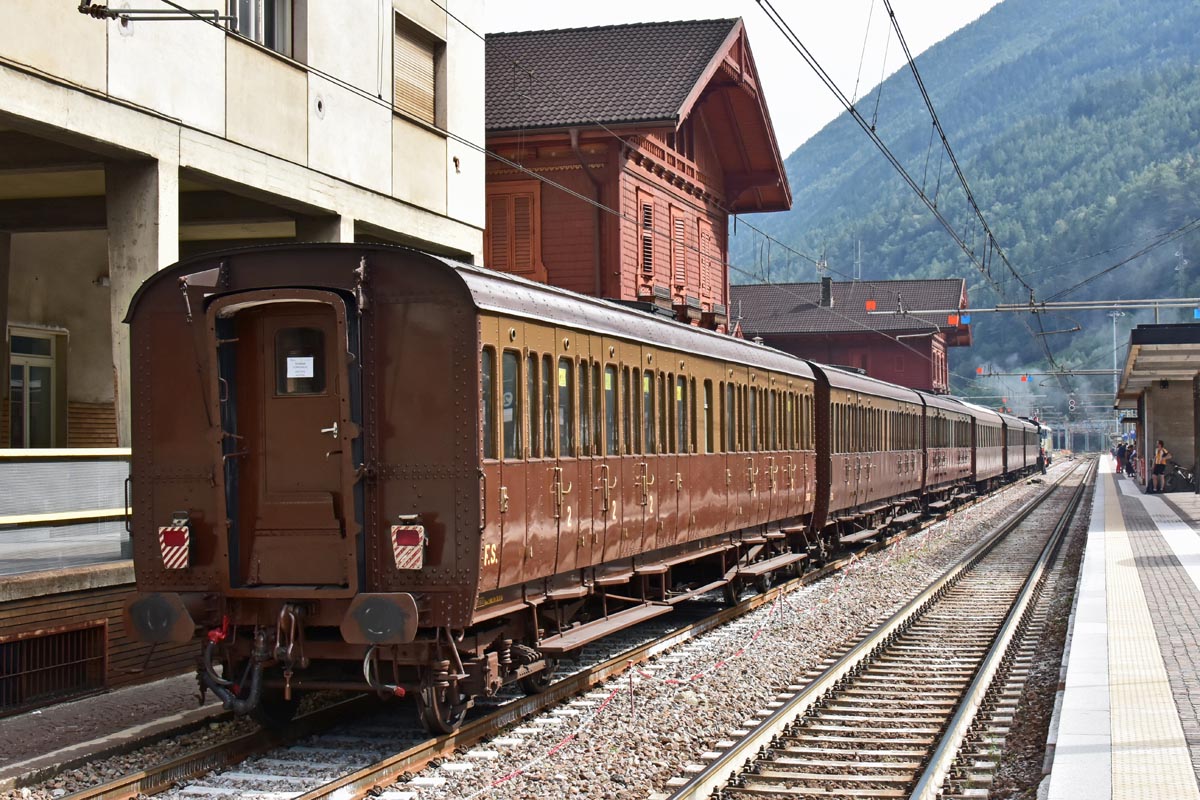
<point x="332" y="430"/>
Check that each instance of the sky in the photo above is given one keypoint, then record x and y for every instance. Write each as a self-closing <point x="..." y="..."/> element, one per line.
<point x="834" y="32"/>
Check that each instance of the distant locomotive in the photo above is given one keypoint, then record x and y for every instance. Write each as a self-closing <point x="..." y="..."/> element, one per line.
<point x="372" y="468"/>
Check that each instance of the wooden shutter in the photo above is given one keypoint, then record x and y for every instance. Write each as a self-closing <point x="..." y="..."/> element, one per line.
<point x="511" y="240"/>
<point x="522" y="232"/>
<point x="678" y="252"/>
<point x="648" y="238"/>
<point x="414" y="55"/>
<point x="499" y="246"/>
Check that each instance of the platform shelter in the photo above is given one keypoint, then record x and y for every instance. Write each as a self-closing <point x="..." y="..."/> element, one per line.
<point x="1161" y="383"/>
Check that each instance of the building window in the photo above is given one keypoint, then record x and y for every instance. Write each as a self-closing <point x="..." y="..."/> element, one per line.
<point x="415" y="56"/>
<point x="268" y="22"/>
<point x="647" y="216"/>
<point x="32" y="377"/>
<point x="679" y="250"/>
<point x="512" y="240"/>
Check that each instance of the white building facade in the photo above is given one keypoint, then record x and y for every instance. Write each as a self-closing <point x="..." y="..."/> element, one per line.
<point x="126" y="145"/>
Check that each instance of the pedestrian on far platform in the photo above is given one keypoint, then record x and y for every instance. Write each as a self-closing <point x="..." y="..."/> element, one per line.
<point x="1161" y="456"/>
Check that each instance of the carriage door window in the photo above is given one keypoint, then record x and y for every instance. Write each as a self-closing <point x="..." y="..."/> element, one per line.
<point x="585" y="410"/>
<point x="31" y="377"/>
<point x="610" y="410"/>
<point x="566" y="408"/>
<point x="487" y="401"/>
<point x="548" y="406"/>
<point x="531" y="382"/>
<point x="681" y="434"/>
<point x="511" y="404"/>
<point x="648" y="409"/>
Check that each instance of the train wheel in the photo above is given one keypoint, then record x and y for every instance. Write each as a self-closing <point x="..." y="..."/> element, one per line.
<point x="538" y="682"/>
<point x="443" y="707"/>
<point x="273" y="711"/>
<point x="763" y="582"/>
<point x="731" y="593"/>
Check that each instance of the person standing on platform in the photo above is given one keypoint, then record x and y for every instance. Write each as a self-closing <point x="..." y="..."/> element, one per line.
<point x="1120" y="458"/>
<point x="1161" y="456"/>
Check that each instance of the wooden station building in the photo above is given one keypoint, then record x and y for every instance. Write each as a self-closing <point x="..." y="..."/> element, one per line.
<point x="664" y="123"/>
<point x="831" y="322"/>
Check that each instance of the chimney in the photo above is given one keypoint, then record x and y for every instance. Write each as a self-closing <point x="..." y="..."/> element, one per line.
<point x="826" y="292"/>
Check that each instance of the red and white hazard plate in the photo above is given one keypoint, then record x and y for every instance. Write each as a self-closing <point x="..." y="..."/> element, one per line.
<point x="408" y="545"/>
<point x="175" y="542"/>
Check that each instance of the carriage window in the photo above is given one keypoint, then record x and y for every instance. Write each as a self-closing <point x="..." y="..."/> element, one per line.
<point x="535" y="443"/>
<point x="487" y="400"/>
<point x="510" y="405"/>
<point x="665" y="410"/>
<point x="706" y="419"/>
<point x="648" y="410"/>
<point x="597" y="412"/>
<point x="730" y="427"/>
<point x="753" y="420"/>
<point x="548" y="406"/>
<point x="610" y="410"/>
<point x="566" y="408"/>
<point x="772" y="410"/>
<point x="585" y="410"/>
<point x="299" y="361"/>
<point x="681" y="414"/>
<point x="627" y="411"/>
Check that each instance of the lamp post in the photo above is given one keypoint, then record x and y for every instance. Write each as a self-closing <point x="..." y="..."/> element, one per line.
<point x="1116" y="377"/>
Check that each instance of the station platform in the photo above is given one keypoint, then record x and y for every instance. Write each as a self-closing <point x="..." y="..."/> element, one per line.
<point x="1129" y="721"/>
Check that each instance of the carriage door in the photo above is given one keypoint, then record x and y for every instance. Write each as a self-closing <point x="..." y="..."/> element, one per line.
<point x="568" y="480"/>
<point x="606" y="468"/>
<point x="284" y="370"/>
<point x="630" y="491"/>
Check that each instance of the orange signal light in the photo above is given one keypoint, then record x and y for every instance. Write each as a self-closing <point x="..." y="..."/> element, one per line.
<point x="1024" y="379"/>
<point x="979" y="370"/>
<point x="870" y="304"/>
<point x="952" y="319"/>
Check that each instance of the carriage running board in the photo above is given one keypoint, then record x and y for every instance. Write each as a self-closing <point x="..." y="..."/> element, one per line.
<point x="688" y="595"/>
<point x="771" y="564"/>
<point x="590" y="632"/>
<point x="854" y="538"/>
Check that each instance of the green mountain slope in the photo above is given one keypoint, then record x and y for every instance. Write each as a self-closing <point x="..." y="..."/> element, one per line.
<point x="1077" y="124"/>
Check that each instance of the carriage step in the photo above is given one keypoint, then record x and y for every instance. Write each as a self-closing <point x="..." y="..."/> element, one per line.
<point x="688" y="595"/>
<point x="585" y="634"/>
<point x="854" y="538"/>
<point x="771" y="564"/>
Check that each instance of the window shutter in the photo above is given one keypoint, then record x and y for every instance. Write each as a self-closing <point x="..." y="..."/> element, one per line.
<point x="413" y="59"/>
<point x="647" y="238"/>
<point x="499" y="235"/>
<point x="522" y="233"/>
<point x="678" y="260"/>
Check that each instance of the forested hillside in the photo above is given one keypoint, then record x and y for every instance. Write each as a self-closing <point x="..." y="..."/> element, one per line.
<point x="1076" y="123"/>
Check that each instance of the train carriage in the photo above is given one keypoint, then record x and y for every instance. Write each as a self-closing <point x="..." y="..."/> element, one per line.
<point x="987" y="445"/>
<point x="360" y="466"/>
<point x="947" y="447"/>
<point x="871" y="466"/>
<point x="1020" y="445"/>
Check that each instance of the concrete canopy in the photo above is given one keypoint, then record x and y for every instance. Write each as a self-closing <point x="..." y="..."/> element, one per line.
<point x="1158" y="353"/>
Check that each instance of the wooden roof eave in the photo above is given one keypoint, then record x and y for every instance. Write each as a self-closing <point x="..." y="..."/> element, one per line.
<point x="763" y="182"/>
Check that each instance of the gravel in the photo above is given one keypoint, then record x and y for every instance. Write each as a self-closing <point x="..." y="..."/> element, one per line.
<point x="629" y="737"/>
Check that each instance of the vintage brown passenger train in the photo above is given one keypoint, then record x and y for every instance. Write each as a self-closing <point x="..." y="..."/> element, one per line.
<point x="367" y="467"/>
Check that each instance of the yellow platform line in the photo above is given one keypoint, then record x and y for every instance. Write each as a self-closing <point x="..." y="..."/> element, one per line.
<point x="1150" y="757"/>
<point x="62" y="517"/>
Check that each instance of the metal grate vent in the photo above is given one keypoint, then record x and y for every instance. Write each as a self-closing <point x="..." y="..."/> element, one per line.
<point x="41" y="667"/>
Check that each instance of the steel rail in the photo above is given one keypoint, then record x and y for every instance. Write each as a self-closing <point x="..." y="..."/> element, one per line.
<point x="734" y="760"/>
<point x="929" y="785"/>
<point x="161" y="777"/>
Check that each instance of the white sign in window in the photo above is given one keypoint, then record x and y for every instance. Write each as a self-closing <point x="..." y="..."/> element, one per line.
<point x="300" y="367"/>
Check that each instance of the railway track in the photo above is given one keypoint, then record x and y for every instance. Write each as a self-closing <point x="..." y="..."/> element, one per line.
<point x="890" y="718"/>
<point x="346" y="751"/>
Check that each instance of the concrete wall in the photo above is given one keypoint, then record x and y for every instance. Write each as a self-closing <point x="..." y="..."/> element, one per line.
<point x="1169" y="417"/>
<point x="329" y="113"/>
<point x="51" y="284"/>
